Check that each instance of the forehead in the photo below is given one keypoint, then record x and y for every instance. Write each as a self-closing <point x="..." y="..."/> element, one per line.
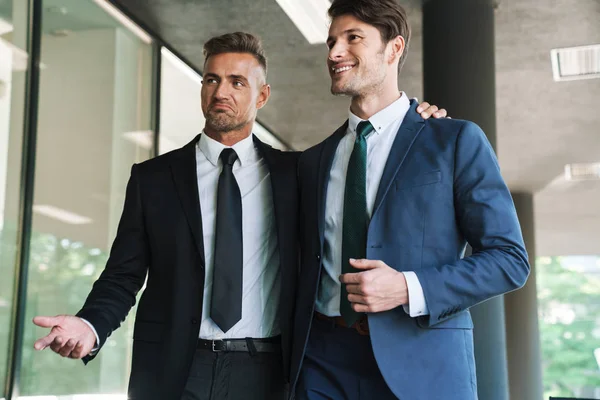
<point x="344" y="23"/>
<point x="224" y="64"/>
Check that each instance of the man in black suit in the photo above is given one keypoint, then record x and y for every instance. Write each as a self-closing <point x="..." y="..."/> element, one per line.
<point x="198" y="222"/>
<point x="209" y="224"/>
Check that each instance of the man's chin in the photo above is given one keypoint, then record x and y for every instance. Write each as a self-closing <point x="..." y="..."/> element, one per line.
<point x="224" y="125"/>
<point x="220" y="124"/>
<point x="340" y="91"/>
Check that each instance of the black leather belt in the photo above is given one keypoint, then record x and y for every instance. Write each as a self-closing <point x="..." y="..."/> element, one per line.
<point x="248" y="345"/>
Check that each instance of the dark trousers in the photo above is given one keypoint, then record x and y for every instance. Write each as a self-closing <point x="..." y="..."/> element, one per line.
<point x="235" y="376"/>
<point x="339" y="365"/>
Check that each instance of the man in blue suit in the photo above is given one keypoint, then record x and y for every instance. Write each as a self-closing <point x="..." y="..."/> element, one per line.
<point x="387" y="206"/>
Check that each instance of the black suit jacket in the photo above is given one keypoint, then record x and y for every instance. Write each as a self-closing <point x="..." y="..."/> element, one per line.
<point x="160" y="235"/>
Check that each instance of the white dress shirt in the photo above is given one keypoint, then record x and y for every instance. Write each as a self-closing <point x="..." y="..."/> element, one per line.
<point x="379" y="143"/>
<point x="261" y="276"/>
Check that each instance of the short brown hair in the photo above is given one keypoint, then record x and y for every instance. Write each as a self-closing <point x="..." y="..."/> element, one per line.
<point x="236" y="42"/>
<point x="386" y="15"/>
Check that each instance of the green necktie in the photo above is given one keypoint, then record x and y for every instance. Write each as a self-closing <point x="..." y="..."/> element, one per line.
<point x="356" y="219"/>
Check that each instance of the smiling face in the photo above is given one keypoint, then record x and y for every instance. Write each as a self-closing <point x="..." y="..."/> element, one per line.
<point x="357" y="57"/>
<point x="233" y="89"/>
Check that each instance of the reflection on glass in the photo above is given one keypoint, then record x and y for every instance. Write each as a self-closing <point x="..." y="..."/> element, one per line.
<point x="181" y="116"/>
<point x="13" y="68"/>
<point x="569" y="311"/>
<point x="93" y="124"/>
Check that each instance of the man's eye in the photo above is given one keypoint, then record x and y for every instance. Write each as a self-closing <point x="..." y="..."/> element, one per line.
<point x="352" y="37"/>
<point x="211" y="80"/>
<point x="238" y="83"/>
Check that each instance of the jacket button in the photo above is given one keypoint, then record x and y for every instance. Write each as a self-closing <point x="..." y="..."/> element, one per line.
<point x="194" y="321"/>
<point x="318" y="257"/>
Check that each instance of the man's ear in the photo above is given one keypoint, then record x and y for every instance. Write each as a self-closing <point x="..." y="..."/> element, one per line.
<point x="398" y="45"/>
<point x="263" y="96"/>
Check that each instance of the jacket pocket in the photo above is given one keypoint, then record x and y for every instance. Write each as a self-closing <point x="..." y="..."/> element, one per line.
<point x="427" y="178"/>
<point x="148" y="331"/>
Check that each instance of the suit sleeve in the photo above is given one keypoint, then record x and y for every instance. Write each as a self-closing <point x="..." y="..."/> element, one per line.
<point x="487" y="219"/>
<point x="114" y="293"/>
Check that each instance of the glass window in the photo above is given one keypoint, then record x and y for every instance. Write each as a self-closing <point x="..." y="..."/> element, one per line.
<point x="569" y="307"/>
<point x="181" y="117"/>
<point x="13" y="68"/>
<point x="93" y="124"/>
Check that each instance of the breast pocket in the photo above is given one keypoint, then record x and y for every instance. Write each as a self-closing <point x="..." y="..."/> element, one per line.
<point x="428" y="178"/>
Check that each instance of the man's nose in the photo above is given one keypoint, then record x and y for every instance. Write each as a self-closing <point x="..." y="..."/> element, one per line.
<point x="221" y="91"/>
<point x="337" y="52"/>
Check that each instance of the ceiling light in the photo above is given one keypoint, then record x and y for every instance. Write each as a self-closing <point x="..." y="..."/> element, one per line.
<point x="20" y="58"/>
<point x="60" y="32"/>
<point x="5" y="27"/>
<point x="144" y="139"/>
<point x="65" y="216"/>
<point x="581" y="172"/>
<point x="58" y="10"/>
<point x="309" y="16"/>
<point x="572" y="63"/>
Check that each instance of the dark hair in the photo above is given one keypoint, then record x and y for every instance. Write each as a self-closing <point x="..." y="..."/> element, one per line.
<point x="386" y="15"/>
<point x="237" y="42"/>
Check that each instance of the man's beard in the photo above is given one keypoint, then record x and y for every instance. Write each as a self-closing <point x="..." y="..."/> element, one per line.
<point x="221" y="122"/>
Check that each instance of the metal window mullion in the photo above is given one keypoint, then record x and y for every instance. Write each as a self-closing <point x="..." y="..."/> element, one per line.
<point x="32" y="85"/>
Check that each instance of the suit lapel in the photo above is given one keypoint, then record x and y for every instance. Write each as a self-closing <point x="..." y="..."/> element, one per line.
<point x="183" y="169"/>
<point x="409" y="129"/>
<point x="327" y="154"/>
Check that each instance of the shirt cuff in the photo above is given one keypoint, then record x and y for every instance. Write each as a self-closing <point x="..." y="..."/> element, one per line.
<point x="417" y="305"/>
<point x="97" y="346"/>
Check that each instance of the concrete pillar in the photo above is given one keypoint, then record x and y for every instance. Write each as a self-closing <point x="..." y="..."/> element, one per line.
<point x="522" y="329"/>
<point x="459" y="75"/>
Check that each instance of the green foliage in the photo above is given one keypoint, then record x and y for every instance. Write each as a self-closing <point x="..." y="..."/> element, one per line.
<point x="569" y="312"/>
<point x="61" y="274"/>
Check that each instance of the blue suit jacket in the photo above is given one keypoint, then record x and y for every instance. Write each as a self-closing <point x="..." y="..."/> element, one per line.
<point x="441" y="188"/>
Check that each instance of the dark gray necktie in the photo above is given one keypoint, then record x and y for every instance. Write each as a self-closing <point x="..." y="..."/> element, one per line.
<point x="226" y="302"/>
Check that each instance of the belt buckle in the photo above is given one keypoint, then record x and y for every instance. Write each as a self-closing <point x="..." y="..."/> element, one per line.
<point x="215" y="350"/>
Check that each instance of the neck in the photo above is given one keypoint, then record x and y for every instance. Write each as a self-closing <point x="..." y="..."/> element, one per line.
<point x="366" y="105"/>
<point x="228" y="138"/>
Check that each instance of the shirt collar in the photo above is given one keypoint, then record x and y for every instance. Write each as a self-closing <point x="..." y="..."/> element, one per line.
<point x="212" y="149"/>
<point x="383" y="119"/>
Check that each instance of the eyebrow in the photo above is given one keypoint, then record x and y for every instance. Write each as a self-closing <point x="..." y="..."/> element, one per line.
<point x="346" y="32"/>
<point x="232" y="76"/>
<point x="240" y="77"/>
